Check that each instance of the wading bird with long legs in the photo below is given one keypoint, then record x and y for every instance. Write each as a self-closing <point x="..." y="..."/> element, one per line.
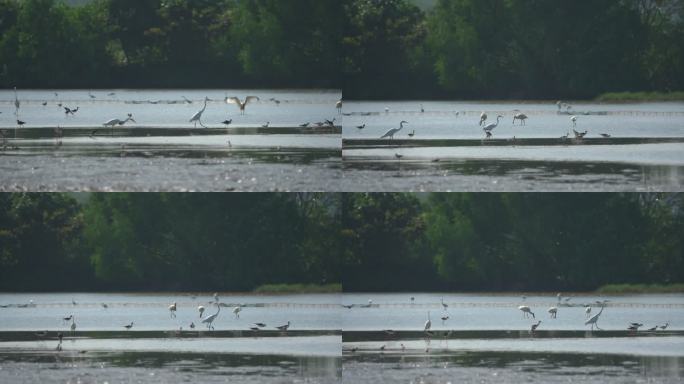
<point x="393" y="131"/>
<point x="209" y="320"/>
<point x="197" y="117"/>
<point x="489" y="128"/>
<point x="428" y="323"/>
<point x="594" y="319"/>
<point x="111" y="123"/>
<point x="526" y="311"/>
<point x="520" y="116"/>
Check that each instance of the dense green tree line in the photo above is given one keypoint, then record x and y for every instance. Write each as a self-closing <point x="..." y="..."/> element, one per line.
<point x="167" y="241"/>
<point x="494" y="242"/>
<point x="170" y="43"/>
<point x="368" y="242"/>
<point x="369" y="48"/>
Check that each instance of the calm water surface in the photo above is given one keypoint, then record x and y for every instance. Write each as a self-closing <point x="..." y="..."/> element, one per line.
<point x="487" y="340"/>
<point x="448" y="150"/>
<point x="162" y="150"/>
<point x="156" y="349"/>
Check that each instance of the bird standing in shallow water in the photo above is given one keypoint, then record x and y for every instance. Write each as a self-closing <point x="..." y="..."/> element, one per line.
<point x="197" y="117"/>
<point x="553" y="311"/>
<point x="209" y="320"/>
<point x="390" y="133"/>
<point x="172" y="309"/>
<point x="428" y="323"/>
<point x="520" y="116"/>
<point x="526" y="310"/>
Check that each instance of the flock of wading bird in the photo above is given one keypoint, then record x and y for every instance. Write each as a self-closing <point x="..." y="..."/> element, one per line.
<point x="563" y="108"/>
<point x="526" y="313"/>
<point x="195" y="119"/>
<point x="208" y="320"/>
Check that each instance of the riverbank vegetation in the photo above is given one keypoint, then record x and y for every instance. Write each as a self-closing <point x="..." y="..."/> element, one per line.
<point x="390" y="49"/>
<point x="627" y="97"/>
<point x="279" y="242"/>
<point x="149" y="241"/>
<point x="616" y="289"/>
<point x="298" y="288"/>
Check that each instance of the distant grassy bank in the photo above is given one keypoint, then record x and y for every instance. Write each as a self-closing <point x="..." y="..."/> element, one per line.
<point x="640" y="96"/>
<point x="641" y="288"/>
<point x="299" y="288"/>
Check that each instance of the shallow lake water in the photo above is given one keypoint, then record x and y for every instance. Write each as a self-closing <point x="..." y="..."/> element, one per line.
<point x="266" y="149"/>
<point x="379" y="339"/>
<point x="448" y="149"/>
<point x="165" y="348"/>
<point x="487" y="339"/>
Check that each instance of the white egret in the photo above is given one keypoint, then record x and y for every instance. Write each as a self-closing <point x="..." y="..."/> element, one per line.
<point x="520" y="116"/>
<point x="553" y="311"/>
<point x="587" y="311"/>
<point x="574" y="121"/>
<point x="284" y="327"/>
<point x="172" y="309"/>
<point x="393" y="131"/>
<point x="201" y="310"/>
<point x="197" y="117"/>
<point x="428" y="323"/>
<point x="445" y="306"/>
<point x="216" y="298"/>
<point x="239" y="103"/>
<point x="489" y="128"/>
<point x="483" y="118"/>
<point x="209" y="320"/>
<point x="338" y="105"/>
<point x="526" y="311"/>
<point x="237" y="310"/>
